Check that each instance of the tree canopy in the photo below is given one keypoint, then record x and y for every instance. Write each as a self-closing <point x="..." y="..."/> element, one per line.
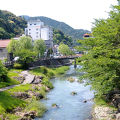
<point x="39" y="47"/>
<point x="10" y="25"/>
<point x="64" y="49"/>
<point x="102" y="59"/>
<point x="59" y="36"/>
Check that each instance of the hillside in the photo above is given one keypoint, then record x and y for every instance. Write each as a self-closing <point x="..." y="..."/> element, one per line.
<point x="10" y="25"/>
<point x="68" y="30"/>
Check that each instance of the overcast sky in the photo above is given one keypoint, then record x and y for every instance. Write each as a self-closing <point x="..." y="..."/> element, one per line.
<point x="78" y="14"/>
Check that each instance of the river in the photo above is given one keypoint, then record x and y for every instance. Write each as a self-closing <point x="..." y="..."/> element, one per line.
<point x="70" y="107"/>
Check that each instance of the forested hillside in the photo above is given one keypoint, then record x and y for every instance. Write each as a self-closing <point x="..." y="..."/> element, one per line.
<point x="10" y="25"/>
<point x="59" y="36"/>
<point x="68" y="30"/>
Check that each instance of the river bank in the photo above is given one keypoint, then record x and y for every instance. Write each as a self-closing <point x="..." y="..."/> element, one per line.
<point x="103" y="110"/>
<point x="23" y="102"/>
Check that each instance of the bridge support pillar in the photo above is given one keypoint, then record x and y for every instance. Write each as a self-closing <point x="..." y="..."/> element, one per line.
<point x="75" y="65"/>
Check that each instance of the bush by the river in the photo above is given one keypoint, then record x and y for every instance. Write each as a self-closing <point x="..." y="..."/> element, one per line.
<point x="3" y="73"/>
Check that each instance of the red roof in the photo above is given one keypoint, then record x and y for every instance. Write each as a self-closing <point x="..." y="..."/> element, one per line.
<point x="4" y="43"/>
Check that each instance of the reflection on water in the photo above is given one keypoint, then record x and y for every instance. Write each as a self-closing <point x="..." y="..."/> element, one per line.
<point x="70" y="107"/>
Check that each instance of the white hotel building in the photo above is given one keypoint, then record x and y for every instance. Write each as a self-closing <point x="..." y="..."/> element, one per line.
<point x="36" y="30"/>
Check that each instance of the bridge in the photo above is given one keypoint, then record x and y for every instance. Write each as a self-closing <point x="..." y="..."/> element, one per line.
<point x="54" y="62"/>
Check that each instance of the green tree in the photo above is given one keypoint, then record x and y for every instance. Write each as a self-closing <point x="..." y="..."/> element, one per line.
<point x="102" y="61"/>
<point x="3" y="73"/>
<point x="39" y="47"/>
<point x="25" y="57"/>
<point x="12" y="46"/>
<point x="25" y="42"/>
<point x="64" y="49"/>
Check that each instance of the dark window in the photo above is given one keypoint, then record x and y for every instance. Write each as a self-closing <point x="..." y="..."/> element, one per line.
<point x="1" y="50"/>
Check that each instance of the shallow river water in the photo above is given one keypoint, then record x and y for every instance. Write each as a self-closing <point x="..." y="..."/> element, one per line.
<point x="69" y="107"/>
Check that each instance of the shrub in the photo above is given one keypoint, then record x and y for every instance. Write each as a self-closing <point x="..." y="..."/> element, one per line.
<point x="18" y="66"/>
<point x="36" y="106"/>
<point x="47" y="83"/>
<point x="3" y="73"/>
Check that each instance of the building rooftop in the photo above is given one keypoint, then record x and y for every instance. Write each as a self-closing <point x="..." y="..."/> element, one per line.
<point x="4" y="43"/>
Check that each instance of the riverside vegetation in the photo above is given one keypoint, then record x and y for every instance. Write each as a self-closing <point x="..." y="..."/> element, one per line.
<point x="101" y="63"/>
<point x="23" y="101"/>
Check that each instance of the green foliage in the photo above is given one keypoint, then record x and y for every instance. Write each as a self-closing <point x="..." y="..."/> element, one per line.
<point x="64" y="49"/>
<point x="17" y="66"/>
<point x="39" y="47"/>
<point x="7" y="102"/>
<point x="60" y="70"/>
<point x="36" y="106"/>
<point x="13" y="46"/>
<point x="25" y="57"/>
<point x="23" y="49"/>
<point x="10" y="25"/>
<point x="3" y="73"/>
<point x="59" y="36"/>
<point x="102" y="61"/>
<point x="21" y="88"/>
<point x="8" y="82"/>
<point x="44" y="71"/>
<point x="47" y="83"/>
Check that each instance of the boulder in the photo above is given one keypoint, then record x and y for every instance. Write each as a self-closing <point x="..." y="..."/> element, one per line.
<point x="55" y="105"/>
<point x="39" y="96"/>
<point x="73" y="93"/>
<point x="29" y="115"/>
<point x="29" y="79"/>
<point x="20" y="78"/>
<point x="21" y="95"/>
<point x="118" y="116"/>
<point x="71" y="79"/>
<point x="37" y="80"/>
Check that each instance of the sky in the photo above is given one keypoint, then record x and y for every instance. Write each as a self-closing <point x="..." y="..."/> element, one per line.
<point x="79" y="14"/>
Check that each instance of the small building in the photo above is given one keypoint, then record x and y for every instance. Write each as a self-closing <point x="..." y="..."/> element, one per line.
<point x="3" y="50"/>
<point x="37" y="30"/>
<point x="86" y="35"/>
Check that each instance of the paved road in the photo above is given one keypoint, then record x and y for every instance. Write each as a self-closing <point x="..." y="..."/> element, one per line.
<point x="9" y="87"/>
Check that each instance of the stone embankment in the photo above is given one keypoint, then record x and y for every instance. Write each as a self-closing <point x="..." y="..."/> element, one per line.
<point x="103" y="113"/>
<point x="26" y="78"/>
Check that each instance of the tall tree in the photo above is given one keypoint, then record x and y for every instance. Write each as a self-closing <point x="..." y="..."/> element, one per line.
<point x="64" y="49"/>
<point x="40" y="47"/>
<point x="102" y="61"/>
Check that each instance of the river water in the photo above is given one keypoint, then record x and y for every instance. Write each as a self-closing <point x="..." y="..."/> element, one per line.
<point x="69" y="107"/>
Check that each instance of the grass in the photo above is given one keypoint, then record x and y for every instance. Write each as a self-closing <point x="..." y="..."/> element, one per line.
<point x="103" y="102"/>
<point x="10" y="81"/>
<point x="60" y="70"/>
<point x="36" y="106"/>
<point x="8" y="103"/>
<point x="21" y="88"/>
<point x="48" y="73"/>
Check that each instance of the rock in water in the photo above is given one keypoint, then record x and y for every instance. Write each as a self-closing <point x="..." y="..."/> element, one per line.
<point x="73" y="93"/>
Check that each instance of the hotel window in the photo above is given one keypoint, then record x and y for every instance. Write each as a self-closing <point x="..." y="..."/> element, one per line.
<point x="29" y="33"/>
<point x="37" y="29"/>
<point x="34" y="24"/>
<point x="30" y="24"/>
<point x="1" y="50"/>
<point x="36" y="32"/>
